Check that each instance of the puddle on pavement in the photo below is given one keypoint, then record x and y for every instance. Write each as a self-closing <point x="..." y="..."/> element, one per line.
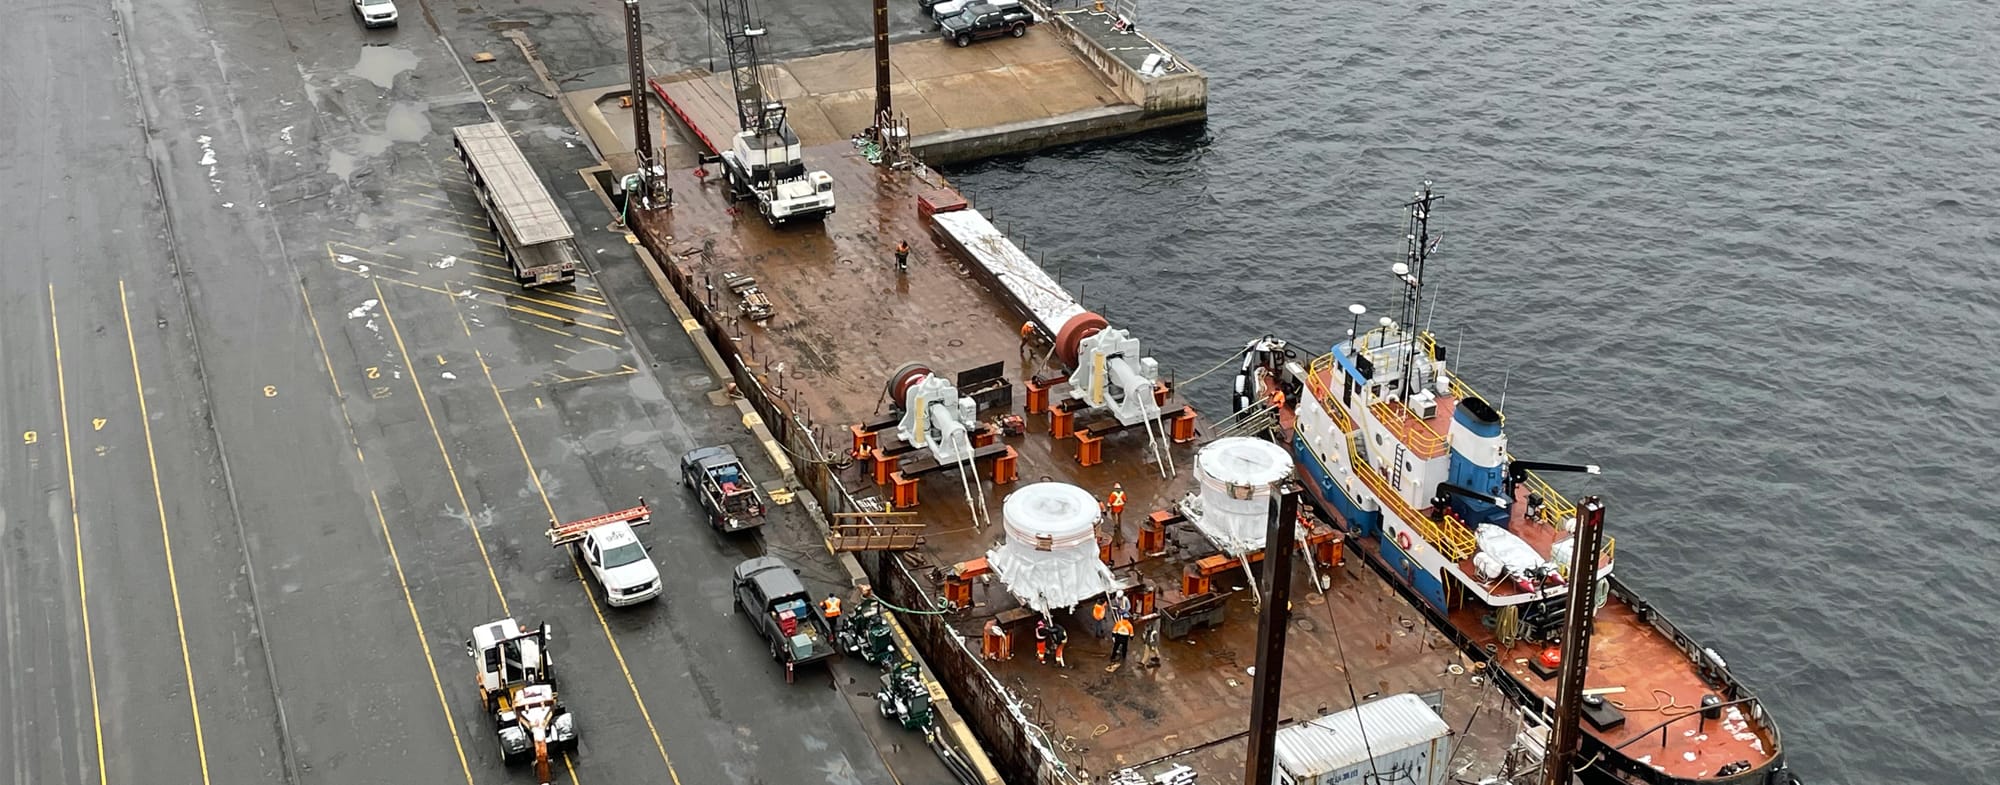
<point x="340" y="165"/>
<point x="407" y="123"/>
<point x="381" y="64"/>
<point x="644" y="387"/>
<point x="596" y="360"/>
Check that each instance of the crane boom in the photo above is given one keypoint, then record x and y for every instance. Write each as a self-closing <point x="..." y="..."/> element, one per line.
<point x="746" y="72"/>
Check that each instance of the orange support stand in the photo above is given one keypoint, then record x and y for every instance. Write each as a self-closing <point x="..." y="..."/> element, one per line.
<point x="1006" y="467"/>
<point x="1062" y="423"/>
<point x="1183" y="426"/>
<point x="903" y="494"/>
<point x="1330" y="551"/>
<point x="958" y="592"/>
<point x="1153" y="534"/>
<point x="996" y="644"/>
<point x="1089" y="449"/>
<point x="864" y="440"/>
<point x="885" y="467"/>
<point x="1038" y="397"/>
<point x="1147" y="596"/>
<point x="1193" y="583"/>
<point x="1160" y="393"/>
<point x="984" y="435"/>
<point x="1104" y="549"/>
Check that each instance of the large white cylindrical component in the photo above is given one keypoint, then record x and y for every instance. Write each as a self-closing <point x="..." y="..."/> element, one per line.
<point x="1238" y="476"/>
<point x="1049" y="559"/>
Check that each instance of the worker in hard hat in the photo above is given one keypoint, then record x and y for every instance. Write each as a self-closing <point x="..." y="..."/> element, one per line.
<point x="1121" y="637"/>
<point x="902" y="255"/>
<point x="1027" y="336"/>
<point x="1098" y="612"/>
<point x="1115" y="504"/>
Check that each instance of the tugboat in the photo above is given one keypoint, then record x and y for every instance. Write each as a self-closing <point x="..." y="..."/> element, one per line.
<point x="1414" y="463"/>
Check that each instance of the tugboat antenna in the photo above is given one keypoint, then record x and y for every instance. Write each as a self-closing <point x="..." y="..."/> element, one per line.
<point x="1419" y="240"/>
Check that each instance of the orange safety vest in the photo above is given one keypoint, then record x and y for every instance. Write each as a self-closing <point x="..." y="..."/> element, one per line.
<point x="1123" y="627"/>
<point x="1097" y="611"/>
<point x="1027" y="329"/>
<point x="830" y="608"/>
<point x="1117" y="501"/>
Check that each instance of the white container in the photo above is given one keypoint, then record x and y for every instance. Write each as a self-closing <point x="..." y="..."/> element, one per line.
<point x="1408" y="739"/>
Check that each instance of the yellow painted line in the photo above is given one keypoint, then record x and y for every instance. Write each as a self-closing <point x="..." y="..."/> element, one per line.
<point x="166" y="537"/>
<point x="364" y="249"/>
<point x="76" y="531"/>
<point x="463" y="236"/>
<point x="436" y="208"/>
<point x="522" y="295"/>
<point x="470" y="521"/>
<point x="591" y="377"/>
<point x="595" y="607"/>
<point x="542" y="292"/>
<point x="543" y="327"/>
<point x="519" y="309"/>
<point x="408" y="601"/>
<point x="484" y="82"/>
<point x="430" y="195"/>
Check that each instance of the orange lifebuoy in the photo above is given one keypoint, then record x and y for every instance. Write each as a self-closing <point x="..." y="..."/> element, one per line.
<point x="1403" y="539"/>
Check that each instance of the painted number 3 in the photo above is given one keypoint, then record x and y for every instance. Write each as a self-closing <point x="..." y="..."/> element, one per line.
<point x="270" y="391"/>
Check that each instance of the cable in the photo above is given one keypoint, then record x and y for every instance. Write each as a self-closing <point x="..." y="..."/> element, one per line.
<point x="1354" y="700"/>
<point x="1668" y="705"/>
<point x="1218" y="366"/>
<point x="899" y="609"/>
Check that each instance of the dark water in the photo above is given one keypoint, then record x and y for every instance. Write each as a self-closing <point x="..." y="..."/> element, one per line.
<point x="1742" y="254"/>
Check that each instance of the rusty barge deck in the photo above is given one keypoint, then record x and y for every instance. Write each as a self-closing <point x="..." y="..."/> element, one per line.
<point x="843" y="320"/>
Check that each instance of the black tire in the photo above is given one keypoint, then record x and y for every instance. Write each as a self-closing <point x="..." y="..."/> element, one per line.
<point x="963" y="40"/>
<point x="1018" y="30"/>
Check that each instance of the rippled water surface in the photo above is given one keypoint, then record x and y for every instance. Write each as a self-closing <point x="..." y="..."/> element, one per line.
<point x="1741" y="254"/>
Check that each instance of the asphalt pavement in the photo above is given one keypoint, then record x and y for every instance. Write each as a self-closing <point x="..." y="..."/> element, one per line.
<point x="287" y="430"/>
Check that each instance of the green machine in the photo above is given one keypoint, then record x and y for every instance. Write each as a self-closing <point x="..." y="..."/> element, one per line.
<point x="904" y="697"/>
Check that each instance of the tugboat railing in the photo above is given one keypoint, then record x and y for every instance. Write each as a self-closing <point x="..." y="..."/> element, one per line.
<point x="1449" y="537"/>
<point x="1316" y="382"/>
<point x="1421" y="438"/>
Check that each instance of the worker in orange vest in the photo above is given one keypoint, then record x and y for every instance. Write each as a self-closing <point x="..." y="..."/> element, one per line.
<point x="1097" y="612"/>
<point x="830" y="608"/>
<point x="1027" y="336"/>
<point x="902" y="255"/>
<point x="1121" y="637"/>
<point x="1116" y="503"/>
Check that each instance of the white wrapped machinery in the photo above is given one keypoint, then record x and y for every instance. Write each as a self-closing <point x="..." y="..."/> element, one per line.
<point x="1049" y="559"/>
<point x="1238" y="476"/>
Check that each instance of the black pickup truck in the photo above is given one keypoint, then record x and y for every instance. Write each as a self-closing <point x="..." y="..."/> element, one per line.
<point x="724" y="487"/>
<point x="982" y="20"/>
<point x="770" y="595"/>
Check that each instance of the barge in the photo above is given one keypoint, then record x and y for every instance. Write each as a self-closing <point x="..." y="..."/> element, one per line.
<point x="942" y="413"/>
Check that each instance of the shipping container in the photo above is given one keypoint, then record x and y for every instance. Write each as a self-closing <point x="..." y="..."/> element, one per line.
<point x="1397" y="739"/>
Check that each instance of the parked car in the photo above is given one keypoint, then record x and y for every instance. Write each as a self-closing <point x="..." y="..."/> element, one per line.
<point x="981" y="20"/>
<point x="376" y="13"/>
<point x="941" y="10"/>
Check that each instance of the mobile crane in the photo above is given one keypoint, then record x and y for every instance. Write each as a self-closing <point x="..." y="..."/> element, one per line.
<point x="764" y="162"/>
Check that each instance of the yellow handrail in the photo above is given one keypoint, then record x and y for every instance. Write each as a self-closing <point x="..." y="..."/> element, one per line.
<point x="1316" y="382"/>
<point x="1450" y="537"/>
<point x="1557" y="506"/>
<point x="1422" y="439"/>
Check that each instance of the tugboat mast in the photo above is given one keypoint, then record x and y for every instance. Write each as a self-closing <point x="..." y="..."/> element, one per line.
<point x="1412" y="274"/>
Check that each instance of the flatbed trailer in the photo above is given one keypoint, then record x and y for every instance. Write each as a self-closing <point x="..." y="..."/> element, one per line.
<point x="534" y="237"/>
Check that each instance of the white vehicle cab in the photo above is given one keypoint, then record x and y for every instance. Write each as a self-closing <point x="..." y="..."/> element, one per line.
<point x="376" y="13"/>
<point x="614" y="554"/>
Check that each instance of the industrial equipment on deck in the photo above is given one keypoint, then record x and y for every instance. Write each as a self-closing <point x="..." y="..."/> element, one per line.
<point x="764" y="162"/>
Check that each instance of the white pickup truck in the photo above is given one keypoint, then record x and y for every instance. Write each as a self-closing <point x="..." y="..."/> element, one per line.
<point x="614" y="554"/>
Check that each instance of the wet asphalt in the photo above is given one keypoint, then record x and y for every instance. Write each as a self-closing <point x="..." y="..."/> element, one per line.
<point x="282" y="429"/>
